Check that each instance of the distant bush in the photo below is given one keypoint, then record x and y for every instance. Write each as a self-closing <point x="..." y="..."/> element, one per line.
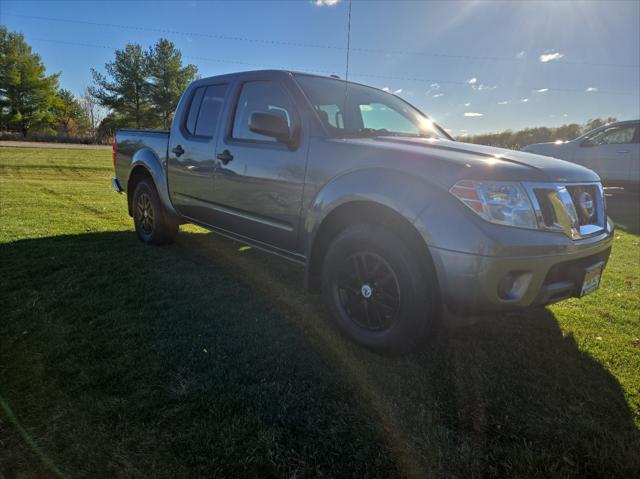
<point x="55" y="138"/>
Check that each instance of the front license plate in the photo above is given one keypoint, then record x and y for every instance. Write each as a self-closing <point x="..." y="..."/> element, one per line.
<point x="591" y="279"/>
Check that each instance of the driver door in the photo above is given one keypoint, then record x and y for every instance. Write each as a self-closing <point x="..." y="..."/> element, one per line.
<point x="259" y="181"/>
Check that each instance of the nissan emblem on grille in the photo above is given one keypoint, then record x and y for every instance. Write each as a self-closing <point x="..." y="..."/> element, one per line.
<point x="586" y="205"/>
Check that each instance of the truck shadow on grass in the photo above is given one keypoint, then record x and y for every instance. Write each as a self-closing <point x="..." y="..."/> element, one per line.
<point x="119" y="359"/>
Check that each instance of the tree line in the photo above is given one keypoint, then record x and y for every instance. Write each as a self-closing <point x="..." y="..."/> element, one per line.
<point x="515" y="140"/>
<point x="140" y="88"/>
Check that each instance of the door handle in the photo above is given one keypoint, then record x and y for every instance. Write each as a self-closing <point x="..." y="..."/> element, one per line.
<point x="225" y="157"/>
<point x="178" y="150"/>
<point x="622" y="151"/>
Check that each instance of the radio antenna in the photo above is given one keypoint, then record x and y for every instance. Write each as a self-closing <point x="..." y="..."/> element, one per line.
<point x="346" y="73"/>
<point x="346" y="76"/>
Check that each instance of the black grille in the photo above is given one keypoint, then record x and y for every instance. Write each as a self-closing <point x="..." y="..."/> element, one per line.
<point x="586" y="202"/>
<point x="548" y="214"/>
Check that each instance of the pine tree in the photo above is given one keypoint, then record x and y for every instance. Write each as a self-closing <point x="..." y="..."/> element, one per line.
<point x="167" y="79"/>
<point x="125" y="90"/>
<point x="27" y="95"/>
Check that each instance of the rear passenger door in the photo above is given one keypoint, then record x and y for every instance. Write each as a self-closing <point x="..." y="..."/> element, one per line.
<point x="191" y="156"/>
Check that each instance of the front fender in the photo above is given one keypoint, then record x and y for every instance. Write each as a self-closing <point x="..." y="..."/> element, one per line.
<point x="402" y="193"/>
<point x="146" y="158"/>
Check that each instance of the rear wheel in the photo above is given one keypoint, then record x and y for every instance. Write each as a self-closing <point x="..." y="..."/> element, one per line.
<point x="152" y="222"/>
<point x="380" y="295"/>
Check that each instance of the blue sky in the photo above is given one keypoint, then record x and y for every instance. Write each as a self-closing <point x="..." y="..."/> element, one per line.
<point x="473" y="66"/>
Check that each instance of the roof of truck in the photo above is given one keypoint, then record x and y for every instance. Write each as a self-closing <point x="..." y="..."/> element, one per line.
<point x="277" y="72"/>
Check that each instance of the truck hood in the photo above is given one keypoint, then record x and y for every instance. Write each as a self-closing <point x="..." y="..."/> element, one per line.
<point x="454" y="160"/>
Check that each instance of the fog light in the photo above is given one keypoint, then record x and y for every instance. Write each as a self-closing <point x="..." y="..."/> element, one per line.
<point x="513" y="285"/>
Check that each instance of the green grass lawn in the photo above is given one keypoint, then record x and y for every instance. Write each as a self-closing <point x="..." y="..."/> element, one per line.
<point x="205" y="359"/>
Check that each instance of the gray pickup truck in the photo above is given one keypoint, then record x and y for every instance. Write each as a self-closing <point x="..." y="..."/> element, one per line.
<point x="397" y="224"/>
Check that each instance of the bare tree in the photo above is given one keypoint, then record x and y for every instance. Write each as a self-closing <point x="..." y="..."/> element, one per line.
<point x="93" y="111"/>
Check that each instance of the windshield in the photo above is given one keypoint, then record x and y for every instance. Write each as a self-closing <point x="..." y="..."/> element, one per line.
<point x="349" y="109"/>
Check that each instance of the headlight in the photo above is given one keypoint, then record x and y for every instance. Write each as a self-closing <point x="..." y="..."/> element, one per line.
<point x="498" y="202"/>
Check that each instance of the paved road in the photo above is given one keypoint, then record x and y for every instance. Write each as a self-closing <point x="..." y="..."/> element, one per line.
<point x="41" y="144"/>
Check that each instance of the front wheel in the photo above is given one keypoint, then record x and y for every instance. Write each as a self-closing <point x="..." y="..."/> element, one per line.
<point x="380" y="294"/>
<point x="153" y="224"/>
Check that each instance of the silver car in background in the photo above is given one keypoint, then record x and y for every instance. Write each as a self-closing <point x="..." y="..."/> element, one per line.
<point x="612" y="151"/>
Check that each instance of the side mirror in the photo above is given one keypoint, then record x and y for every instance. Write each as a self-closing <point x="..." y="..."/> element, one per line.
<point x="586" y="143"/>
<point x="271" y="125"/>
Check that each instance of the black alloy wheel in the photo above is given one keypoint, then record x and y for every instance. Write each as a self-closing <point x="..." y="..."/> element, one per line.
<point x="154" y="225"/>
<point x="144" y="213"/>
<point x="382" y="292"/>
<point x="368" y="291"/>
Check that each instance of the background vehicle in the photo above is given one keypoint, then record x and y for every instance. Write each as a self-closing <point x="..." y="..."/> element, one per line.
<point x="612" y="151"/>
<point x="393" y="220"/>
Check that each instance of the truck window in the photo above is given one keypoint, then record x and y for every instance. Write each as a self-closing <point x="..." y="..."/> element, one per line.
<point x="350" y="109"/>
<point x="378" y="115"/>
<point x="194" y="108"/>
<point x="210" y="110"/>
<point x="618" y="135"/>
<point x="262" y="97"/>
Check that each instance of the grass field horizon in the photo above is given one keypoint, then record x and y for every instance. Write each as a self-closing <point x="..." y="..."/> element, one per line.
<point x="205" y="358"/>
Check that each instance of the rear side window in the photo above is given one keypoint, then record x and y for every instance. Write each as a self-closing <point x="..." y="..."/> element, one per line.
<point x="210" y="110"/>
<point x="264" y="97"/>
<point x="205" y="109"/>
<point x="194" y="108"/>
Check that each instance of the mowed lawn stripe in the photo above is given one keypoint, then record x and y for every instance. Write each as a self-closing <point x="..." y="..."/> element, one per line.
<point x="200" y="359"/>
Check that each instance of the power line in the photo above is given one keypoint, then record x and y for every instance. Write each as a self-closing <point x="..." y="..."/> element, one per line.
<point x="329" y="72"/>
<point x="312" y="45"/>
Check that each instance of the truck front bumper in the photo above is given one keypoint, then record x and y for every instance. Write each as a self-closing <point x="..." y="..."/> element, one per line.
<point x="473" y="283"/>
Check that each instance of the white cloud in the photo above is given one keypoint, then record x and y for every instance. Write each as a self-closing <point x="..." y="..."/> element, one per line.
<point x="399" y="90"/>
<point x="591" y="89"/>
<point x="542" y="90"/>
<point x="472" y="114"/>
<point x="433" y="87"/>
<point x="449" y="130"/>
<point x="503" y="102"/>
<point x="564" y="115"/>
<point x="438" y="95"/>
<point x="521" y="54"/>
<point x="467" y="104"/>
<point x="472" y="81"/>
<point x="524" y="100"/>
<point x="325" y="3"/>
<point x="486" y="87"/>
<point x="549" y="57"/>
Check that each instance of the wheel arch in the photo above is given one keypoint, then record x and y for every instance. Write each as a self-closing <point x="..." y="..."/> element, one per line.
<point x="138" y="173"/>
<point x="358" y="212"/>
<point x="146" y="164"/>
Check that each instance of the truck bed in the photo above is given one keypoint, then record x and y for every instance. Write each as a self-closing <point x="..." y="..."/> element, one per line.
<point x="130" y="142"/>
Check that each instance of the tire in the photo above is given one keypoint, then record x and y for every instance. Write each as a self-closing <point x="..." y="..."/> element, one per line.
<point x="379" y="295"/>
<point x="153" y="224"/>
